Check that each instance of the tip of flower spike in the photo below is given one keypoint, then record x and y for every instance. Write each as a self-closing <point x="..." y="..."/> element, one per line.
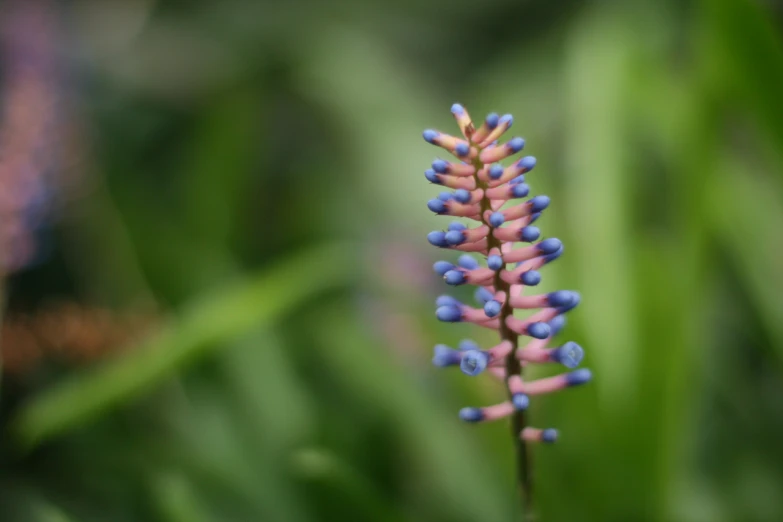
<point x="437" y="238"/>
<point x="447" y="300"/>
<point x="436" y="206"/>
<point x="569" y="355"/>
<point x="449" y="314"/>
<point x="430" y="135"/>
<point x="441" y="267"/>
<point x="473" y="362"/>
<point x="492" y="120"/>
<point x="529" y="234"/>
<point x="467" y="345"/>
<point x="520" y="401"/>
<point x="560" y="298"/>
<point x="506" y="119"/>
<point x="575" y="300"/>
<point x="496" y="219"/>
<point x="539" y="203"/>
<point x="516" y="144"/>
<point x="530" y="278"/>
<point x="431" y="176"/>
<point x="527" y="163"/>
<point x="549" y="435"/>
<point x="471" y="414"/>
<point x="482" y="295"/>
<point x="467" y="262"/>
<point x="443" y="356"/>
<point x="538" y="330"/>
<point x="495" y="263"/>
<point x="492" y="308"/>
<point x="557" y="324"/>
<point x="454" y="237"/>
<point x="462" y="195"/>
<point x="495" y="171"/>
<point x="456" y="225"/>
<point x="457" y="109"/>
<point x="520" y="190"/>
<point x="549" y="246"/>
<point x="462" y="149"/>
<point x="454" y="277"/>
<point x="578" y="377"/>
<point x="440" y="166"/>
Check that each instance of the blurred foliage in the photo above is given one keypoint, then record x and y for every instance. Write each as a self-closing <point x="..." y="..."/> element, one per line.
<point x="255" y="169"/>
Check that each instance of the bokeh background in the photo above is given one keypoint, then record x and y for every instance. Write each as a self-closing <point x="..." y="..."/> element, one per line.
<point x="219" y="295"/>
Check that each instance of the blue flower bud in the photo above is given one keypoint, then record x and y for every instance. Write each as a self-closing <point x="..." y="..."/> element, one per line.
<point x="454" y="277"/>
<point x="520" y="401"/>
<point x="445" y="356"/>
<point x="538" y="330"/>
<point x="482" y="295"/>
<point x="549" y="435"/>
<point x="474" y="362"/>
<point x="437" y="238"/>
<point x="557" y="324"/>
<point x="528" y="162"/>
<point x="496" y="219"/>
<point x="431" y="176"/>
<point x="467" y="345"/>
<point x="516" y="144"/>
<point x="440" y="166"/>
<point x="554" y="255"/>
<point x="492" y="308"/>
<point x="467" y="262"/>
<point x="549" y="246"/>
<point x="534" y="217"/>
<point x="445" y="196"/>
<point x="495" y="171"/>
<point x="462" y="149"/>
<point x="530" y="278"/>
<point x="454" y="237"/>
<point x="447" y="300"/>
<point x="579" y="376"/>
<point x="449" y="314"/>
<point x="471" y="414"/>
<point x="529" y="234"/>
<point x="575" y="299"/>
<point x="520" y="190"/>
<point x="441" y="267"/>
<point x="569" y="355"/>
<point x="437" y="206"/>
<point x="457" y="109"/>
<point x="539" y="203"/>
<point x="462" y="195"/>
<point x="519" y="179"/>
<point x="456" y="225"/>
<point x="495" y="263"/>
<point x="430" y="135"/>
<point x="560" y="298"/>
<point x="506" y="118"/>
<point x="492" y="120"/>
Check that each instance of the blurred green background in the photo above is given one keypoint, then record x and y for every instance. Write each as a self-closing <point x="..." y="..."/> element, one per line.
<point x="249" y="173"/>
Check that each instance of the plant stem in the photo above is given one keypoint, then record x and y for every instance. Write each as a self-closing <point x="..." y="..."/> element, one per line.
<point x="513" y="367"/>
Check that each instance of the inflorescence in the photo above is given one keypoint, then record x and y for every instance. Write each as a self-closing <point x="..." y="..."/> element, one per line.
<point x="487" y="192"/>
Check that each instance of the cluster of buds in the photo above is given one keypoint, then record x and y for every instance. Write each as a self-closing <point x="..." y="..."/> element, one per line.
<point x="488" y="193"/>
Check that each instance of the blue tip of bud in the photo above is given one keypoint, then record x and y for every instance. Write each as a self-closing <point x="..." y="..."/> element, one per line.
<point x="549" y="246"/>
<point x="496" y="219"/>
<point x="449" y="314"/>
<point x="530" y="278"/>
<point x="445" y="196"/>
<point x="575" y="299"/>
<point x="520" y="190"/>
<point x="467" y="262"/>
<point x="468" y="344"/>
<point x="517" y="180"/>
<point x="462" y="195"/>
<point x="430" y="135"/>
<point x="538" y="330"/>
<point x="456" y="225"/>
<point x="447" y="300"/>
<point x="462" y="149"/>
<point x="580" y="376"/>
<point x="440" y="166"/>
<point x="495" y="263"/>
<point x="492" y="308"/>
<point x="557" y="324"/>
<point x="539" y="203"/>
<point x="516" y="144"/>
<point x="454" y="237"/>
<point x="473" y="362"/>
<point x="492" y="120"/>
<point x="527" y="163"/>
<point x="529" y="234"/>
<point x="534" y="217"/>
<point x="482" y="295"/>
<point x="457" y="109"/>
<point x="432" y="176"/>
<point x="437" y="206"/>
<point x="471" y="414"/>
<point x="520" y="401"/>
<point x="437" y="238"/>
<point x="495" y="171"/>
<point x="560" y="298"/>
<point x="454" y="277"/>
<point x="441" y="267"/>
<point x="549" y="435"/>
<point x="569" y="355"/>
<point x="443" y="356"/>
<point x="507" y="119"/>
